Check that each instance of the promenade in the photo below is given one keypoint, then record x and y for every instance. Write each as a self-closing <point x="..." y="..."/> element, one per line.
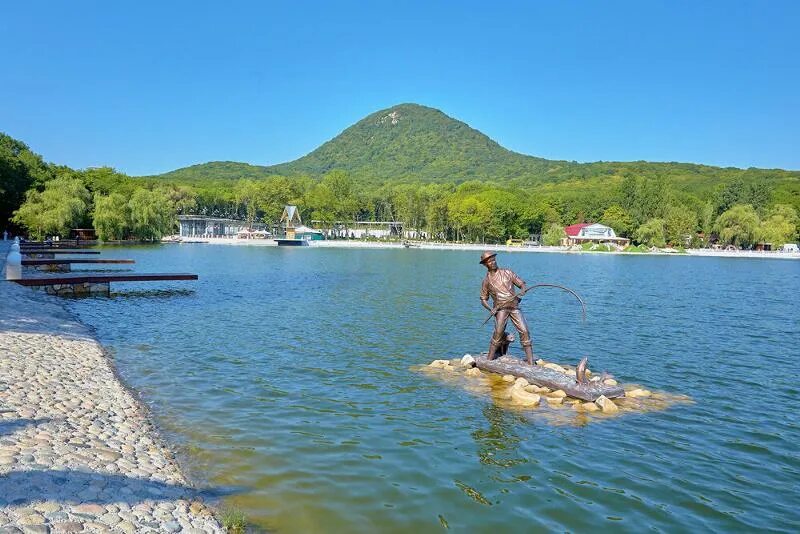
<point x="78" y="452"/>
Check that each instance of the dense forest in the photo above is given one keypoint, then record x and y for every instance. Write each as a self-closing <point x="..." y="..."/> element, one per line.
<point x="417" y="165"/>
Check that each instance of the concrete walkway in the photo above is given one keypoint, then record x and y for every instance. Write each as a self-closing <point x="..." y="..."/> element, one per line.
<point x="77" y="450"/>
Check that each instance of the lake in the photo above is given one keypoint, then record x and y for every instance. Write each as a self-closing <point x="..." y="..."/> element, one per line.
<point x="291" y="375"/>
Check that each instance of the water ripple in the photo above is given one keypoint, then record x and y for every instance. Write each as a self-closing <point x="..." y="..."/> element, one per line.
<point x="291" y="372"/>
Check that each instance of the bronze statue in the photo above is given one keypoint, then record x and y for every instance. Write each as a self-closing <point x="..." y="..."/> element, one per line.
<point x="499" y="284"/>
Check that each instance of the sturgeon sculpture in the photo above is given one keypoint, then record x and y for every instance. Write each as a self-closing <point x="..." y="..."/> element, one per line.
<point x="577" y="387"/>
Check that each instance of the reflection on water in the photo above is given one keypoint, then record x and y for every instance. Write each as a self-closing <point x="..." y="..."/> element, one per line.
<point x="293" y="373"/>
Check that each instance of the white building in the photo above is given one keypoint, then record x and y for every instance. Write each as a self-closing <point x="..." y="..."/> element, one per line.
<point x="578" y="234"/>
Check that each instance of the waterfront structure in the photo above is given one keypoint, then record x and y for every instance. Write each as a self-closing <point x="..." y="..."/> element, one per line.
<point x="362" y="229"/>
<point x="204" y="226"/>
<point x="309" y="234"/>
<point x="577" y="234"/>
<point x="290" y="221"/>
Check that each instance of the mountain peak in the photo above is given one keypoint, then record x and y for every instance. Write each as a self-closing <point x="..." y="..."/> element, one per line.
<point x="411" y="141"/>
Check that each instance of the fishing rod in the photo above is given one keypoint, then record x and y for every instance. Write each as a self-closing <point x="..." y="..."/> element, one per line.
<point x="529" y="288"/>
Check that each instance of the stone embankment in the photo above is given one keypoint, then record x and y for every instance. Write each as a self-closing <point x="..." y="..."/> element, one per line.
<point x="78" y="452"/>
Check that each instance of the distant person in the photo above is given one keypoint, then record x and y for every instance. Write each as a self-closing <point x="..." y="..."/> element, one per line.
<point x="499" y="284"/>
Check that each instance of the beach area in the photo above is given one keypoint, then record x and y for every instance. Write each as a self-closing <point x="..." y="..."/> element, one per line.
<point x="361" y="244"/>
<point x="78" y="450"/>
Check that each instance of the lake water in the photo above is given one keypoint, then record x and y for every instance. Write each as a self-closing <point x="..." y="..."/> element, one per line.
<point x="290" y="374"/>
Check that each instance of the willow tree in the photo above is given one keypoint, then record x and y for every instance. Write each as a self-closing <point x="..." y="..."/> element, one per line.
<point x="152" y="214"/>
<point x="780" y="225"/>
<point x="652" y="233"/>
<point x="739" y="225"/>
<point x="62" y="205"/>
<point x="111" y="216"/>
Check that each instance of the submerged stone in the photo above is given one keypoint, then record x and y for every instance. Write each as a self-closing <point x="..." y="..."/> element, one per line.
<point x="522" y="397"/>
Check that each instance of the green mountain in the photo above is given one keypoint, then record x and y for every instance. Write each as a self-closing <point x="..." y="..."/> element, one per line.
<point x="409" y="142"/>
<point x="420" y="143"/>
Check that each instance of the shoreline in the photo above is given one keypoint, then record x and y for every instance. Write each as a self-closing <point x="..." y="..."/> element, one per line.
<point x="79" y="450"/>
<point x="341" y="243"/>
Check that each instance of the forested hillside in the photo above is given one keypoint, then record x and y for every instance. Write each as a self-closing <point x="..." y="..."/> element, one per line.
<point x="413" y="143"/>
<point x="417" y="165"/>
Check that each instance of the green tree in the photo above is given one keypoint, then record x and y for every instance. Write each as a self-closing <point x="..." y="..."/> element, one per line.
<point x="152" y="214"/>
<point x="248" y="194"/>
<point x="20" y="169"/>
<point x="644" y="198"/>
<point x="62" y="205"/>
<point x="618" y="219"/>
<point x="470" y="216"/>
<point x="111" y="216"/>
<point x="652" y="233"/>
<point x="780" y="226"/>
<point x="553" y="234"/>
<point x="680" y="225"/>
<point x="738" y="226"/>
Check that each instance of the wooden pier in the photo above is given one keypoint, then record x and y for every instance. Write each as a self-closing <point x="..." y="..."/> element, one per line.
<point x="64" y="264"/>
<point x="43" y="256"/>
<point x="75" y="284"/>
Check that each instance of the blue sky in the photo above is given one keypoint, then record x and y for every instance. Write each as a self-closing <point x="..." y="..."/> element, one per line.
<point x="148" y="87"/>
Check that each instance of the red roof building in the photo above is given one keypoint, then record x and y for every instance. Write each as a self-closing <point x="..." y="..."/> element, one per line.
<point x="574" y="229"/>
<point x="577" y="234"/>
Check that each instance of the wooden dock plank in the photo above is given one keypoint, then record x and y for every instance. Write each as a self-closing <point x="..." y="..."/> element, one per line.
<point x="67" y="261"/>
<point x="102" y="278"/>
<point x="57" y="251"/>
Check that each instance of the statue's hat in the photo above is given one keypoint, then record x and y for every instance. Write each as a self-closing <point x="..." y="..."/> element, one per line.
<point x="486" y="255"/>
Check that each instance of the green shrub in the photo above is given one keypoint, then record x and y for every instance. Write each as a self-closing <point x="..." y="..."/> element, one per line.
<point x="233" y="521"/>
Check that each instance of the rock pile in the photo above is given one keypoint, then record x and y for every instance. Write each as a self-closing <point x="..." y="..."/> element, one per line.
<point x="517" y="392"/>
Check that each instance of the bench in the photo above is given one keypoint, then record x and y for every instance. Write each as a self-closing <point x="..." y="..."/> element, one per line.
<point x="85" y="284"/>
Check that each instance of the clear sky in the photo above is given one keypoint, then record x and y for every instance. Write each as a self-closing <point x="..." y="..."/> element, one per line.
<point x="148" y="87"/>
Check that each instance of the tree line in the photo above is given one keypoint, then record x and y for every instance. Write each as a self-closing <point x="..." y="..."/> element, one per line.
<point x="46" y="200"/>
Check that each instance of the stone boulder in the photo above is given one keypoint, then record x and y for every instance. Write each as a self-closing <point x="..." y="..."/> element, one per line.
<point x="524" y="398"/>
<point x="606" y="404"/>
<point x="467" y="361"/>
<point x="590" y="406"/>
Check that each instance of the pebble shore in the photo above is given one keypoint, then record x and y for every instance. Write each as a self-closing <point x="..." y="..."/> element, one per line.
<point x="78" y="452"/>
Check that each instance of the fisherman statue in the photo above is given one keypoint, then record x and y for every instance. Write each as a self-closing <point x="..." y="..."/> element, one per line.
<point x="499" y="284"/>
